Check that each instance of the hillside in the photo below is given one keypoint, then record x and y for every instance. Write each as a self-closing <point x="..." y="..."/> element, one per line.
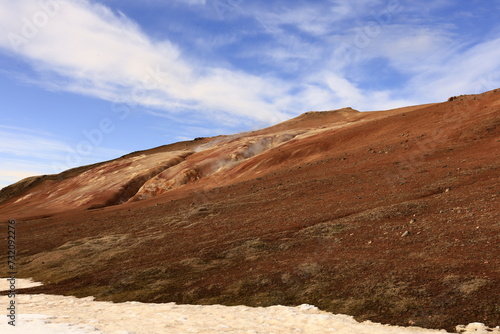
<point x="391" y="216"/>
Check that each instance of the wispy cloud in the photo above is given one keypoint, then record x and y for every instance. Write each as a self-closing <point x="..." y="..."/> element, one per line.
<point x="193" y="2"/>
<point x="86" y="48"/>
<point x="345" y="39"/>
<point x="156" y="2"/>
<point x="474" y="70"/>
<point x="27" y="145"/>
<point x="27" y="152"/>
<point x="315" y="54"/>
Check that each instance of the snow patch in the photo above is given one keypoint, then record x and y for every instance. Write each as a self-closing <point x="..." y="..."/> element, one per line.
<point x="49" y="314"/>
<point x="45" y="314"/>
<point x="20" y="283"/>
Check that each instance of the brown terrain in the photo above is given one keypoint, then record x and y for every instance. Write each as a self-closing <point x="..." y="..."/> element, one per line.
<point x="391" y="216"/>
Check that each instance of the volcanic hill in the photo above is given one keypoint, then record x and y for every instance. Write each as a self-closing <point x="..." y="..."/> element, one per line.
<point x="391" y="216"/>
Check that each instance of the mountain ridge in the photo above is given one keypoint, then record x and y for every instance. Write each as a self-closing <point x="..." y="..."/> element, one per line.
<point x="390" y="216"/>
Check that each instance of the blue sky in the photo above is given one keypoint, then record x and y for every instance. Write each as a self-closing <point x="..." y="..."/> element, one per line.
<point x="83" y="81"/>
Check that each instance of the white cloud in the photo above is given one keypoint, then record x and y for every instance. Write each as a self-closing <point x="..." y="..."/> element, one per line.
<point x="157" y="2"/>
<point x="193" y="2"/>
<point x="314" y="18"/>
<point x="87" y="49"/>
<point x="27" y="145"/>
<point x="305" y="18"/>
<point x="26" y="152"/>
<point x="473" y="71"/>
<point x="412" y="49"/>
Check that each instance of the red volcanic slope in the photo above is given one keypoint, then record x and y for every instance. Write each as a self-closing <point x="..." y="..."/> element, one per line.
<point x="390" y="216"/>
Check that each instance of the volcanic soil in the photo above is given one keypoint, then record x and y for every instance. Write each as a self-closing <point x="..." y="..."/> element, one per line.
<point x="391" y="216"/>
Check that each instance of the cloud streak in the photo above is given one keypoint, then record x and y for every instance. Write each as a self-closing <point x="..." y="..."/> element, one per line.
<point x="86" y="48"/>
<point x="25" y="152"/>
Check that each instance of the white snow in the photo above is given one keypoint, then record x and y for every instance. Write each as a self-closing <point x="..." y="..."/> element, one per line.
<point x="48" y="314"/>
<point x="20" y="283"/>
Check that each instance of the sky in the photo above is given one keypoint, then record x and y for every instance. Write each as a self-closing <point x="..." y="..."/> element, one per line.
<point x="84" y="81"/>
